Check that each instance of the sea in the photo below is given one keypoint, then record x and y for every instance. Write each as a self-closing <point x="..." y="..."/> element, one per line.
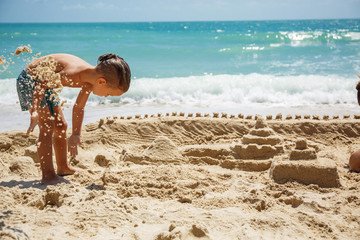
<point x="248" y="67"/>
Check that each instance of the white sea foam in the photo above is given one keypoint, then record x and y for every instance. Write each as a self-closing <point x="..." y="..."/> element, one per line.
<point x="256" y="48"/>
<point x="353" y="35"/>
<point x="224" y="49"/>
<point x="248" y="94"/>
<point x="275" y="45"/>
<point x="212" y="90"/>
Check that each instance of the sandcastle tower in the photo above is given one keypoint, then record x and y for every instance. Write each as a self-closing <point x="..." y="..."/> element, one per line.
<point x="303" y="166"/>
<point x="261" y="143"/>
<point x="254" y="153"/>
<point x="257" y="150"/>
<point x="302" y="152"/>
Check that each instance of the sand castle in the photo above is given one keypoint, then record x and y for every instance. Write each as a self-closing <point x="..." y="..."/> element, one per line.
<point x="261" y="135"/>
<point x="259" y="149"/>
<point x="303" y="166"/>
<point x="259" y="145"/>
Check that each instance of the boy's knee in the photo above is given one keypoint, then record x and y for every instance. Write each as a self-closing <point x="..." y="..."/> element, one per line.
<point x="61" y="125"/>
<point x="46" y="128"/>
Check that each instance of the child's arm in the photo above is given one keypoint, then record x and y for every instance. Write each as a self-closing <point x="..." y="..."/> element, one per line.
<point x="38" y="94"/>
<point x="358" y="90"/>
<point x="77" y="119"/>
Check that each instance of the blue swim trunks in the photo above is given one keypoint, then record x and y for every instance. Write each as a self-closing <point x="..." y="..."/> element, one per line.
<point x="25" y="88"/>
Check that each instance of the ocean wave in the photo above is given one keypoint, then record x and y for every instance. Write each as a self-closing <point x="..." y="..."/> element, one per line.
<point x="217" y="90"/>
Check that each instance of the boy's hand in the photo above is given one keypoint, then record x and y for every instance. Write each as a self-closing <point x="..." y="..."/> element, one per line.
<point x="34" y="119"/>
<point x="73" y="141"/>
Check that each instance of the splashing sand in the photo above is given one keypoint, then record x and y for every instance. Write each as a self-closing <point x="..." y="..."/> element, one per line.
<point x="45" y="72"/>
<point x="22" y="49"/>
<point x="2" y="60"/>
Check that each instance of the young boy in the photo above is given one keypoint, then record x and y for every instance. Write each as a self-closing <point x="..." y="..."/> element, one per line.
<point x="110" y="77"/>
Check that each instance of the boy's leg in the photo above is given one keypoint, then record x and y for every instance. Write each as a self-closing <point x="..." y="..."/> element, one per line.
<point x="46" y="126"/>
<point x="60" y="143"/>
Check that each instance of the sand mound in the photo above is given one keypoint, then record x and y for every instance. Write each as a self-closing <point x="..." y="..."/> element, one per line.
<point x="5" y="143"/>
<point x="162" y="148"/>
<point x="105" y="159"/>
<point x="23" y="166"/>
<point x="161" y="151"/>
<point x="31" y="151"/>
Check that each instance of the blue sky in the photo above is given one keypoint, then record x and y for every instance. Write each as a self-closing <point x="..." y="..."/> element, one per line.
<point x="173" y="10"/>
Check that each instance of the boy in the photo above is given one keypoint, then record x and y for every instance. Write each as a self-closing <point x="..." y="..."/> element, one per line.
<point x="110" y="77"/>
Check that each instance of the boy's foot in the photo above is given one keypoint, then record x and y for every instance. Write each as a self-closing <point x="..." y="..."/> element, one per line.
<point x="53" y="180"/>
<point x="66" y="171"/>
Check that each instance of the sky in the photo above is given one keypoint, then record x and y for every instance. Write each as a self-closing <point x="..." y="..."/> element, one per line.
<point x="173" y="10"/>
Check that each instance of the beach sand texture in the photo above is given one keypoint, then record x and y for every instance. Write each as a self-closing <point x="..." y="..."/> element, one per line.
<point x="189" y="177"/>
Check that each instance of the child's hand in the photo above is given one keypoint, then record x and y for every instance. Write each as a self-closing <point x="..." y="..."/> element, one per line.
<point x="34" y="119"/>
<point x="73" y="141"/>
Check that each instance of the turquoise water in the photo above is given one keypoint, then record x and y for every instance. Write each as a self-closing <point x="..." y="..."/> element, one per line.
<point x="180" y="49"/>
<point x="211" y="66"/>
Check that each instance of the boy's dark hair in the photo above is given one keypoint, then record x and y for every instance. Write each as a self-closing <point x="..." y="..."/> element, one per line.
<point x="116" y="71"/>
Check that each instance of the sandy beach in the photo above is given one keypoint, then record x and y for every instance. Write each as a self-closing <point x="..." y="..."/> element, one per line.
<point x="189" y="177"/>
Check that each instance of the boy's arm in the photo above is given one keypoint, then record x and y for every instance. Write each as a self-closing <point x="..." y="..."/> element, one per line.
<point x="77" y="119"/>
<point x="358" y="90"/>
<point x="38" y="94"/>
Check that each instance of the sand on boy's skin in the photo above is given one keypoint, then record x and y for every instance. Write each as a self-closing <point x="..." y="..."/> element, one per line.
<point x="45" y="72"/>
<point x="200" y="188"/>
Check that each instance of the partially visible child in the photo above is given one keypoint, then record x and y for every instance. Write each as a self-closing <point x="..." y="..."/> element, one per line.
<point x="354" y="161"/>
<point x="111" y="77"/>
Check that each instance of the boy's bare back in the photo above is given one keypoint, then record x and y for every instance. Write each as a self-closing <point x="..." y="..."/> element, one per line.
<point x="69" y="67"/>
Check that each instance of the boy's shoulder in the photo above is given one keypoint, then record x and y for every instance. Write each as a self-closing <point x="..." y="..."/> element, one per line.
<point x="66" y="57"/>
<point x="68" y="61"/>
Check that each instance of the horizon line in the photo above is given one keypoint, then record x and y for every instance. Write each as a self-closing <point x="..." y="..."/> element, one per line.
<point x="178" y="21"/>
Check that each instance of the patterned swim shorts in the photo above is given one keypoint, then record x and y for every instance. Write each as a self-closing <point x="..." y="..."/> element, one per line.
<point x="25" y="88"/>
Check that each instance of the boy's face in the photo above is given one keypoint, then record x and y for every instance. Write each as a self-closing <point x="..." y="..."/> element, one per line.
<point x="101" y="89"/>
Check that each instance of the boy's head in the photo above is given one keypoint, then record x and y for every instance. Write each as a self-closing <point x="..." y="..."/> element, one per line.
<point x="115" y="70"/>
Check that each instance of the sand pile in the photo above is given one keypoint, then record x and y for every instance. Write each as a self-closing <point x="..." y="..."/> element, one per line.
<point x="189" y="178"/>
<point x="161" y="150"/>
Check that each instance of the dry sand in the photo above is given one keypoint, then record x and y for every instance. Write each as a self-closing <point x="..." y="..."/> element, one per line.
<point x="181" y="177"/>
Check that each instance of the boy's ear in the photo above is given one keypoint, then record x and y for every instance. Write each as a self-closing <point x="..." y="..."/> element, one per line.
<point x="101" y="81"/>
